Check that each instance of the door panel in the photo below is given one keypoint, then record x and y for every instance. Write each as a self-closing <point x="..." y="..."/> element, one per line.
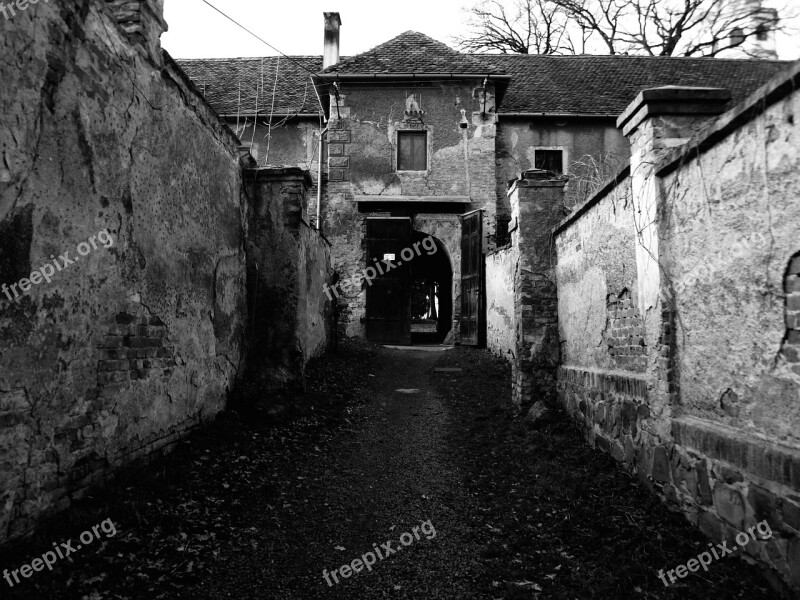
<point x="388" y="318"/>
<point x="472" y="297"/>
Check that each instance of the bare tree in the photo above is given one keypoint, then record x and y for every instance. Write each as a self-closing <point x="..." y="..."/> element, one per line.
<point x="519" y="26"/>
<point x="652" y="27"/>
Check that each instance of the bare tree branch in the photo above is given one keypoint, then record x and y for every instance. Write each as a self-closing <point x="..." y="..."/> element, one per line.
<point x="650" y="27"/>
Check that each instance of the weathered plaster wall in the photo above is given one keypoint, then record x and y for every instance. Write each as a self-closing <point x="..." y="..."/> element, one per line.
<point x="730" y="230"/>
<point x="594" y="150"/>
<point x="131" y="345"/>
<point x="500" y="302"/>
<point x="711" y="422"/>
<point x="362" y="161"/>
<point x="600" y="324"/>
<point x="288" y="268"/>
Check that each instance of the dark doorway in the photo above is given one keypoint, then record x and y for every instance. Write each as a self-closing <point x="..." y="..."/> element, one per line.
<point x="387" y="310"/>
<point x="431" y="291"/>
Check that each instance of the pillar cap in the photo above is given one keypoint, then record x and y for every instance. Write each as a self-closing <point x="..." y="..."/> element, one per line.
<point x="672" y="100"/>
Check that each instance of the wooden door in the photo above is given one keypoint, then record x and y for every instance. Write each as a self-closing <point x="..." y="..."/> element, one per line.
<point x="388" y="318"/>
<point x="472" y="297"/>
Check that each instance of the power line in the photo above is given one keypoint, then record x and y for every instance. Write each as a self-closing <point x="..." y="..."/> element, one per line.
<point x="235" y="22"/>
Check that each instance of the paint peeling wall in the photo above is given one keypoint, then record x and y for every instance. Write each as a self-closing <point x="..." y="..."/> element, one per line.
<point x="599" y="323"/>
<point x="711" y="421"/>
<point x="362" y="157"/>
<point x="500" y="302"/>
<point x="730" y="234"/>
<point x="288" y="269"/>
<point x="594" y="149"/>
<point x="132" y="345"/>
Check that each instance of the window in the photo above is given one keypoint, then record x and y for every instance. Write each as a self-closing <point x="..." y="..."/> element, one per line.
<point x="762" y="33"/>
<point x="412" y="150"/>
<point x="550" y="160"/>
<point x="737" y="36"/>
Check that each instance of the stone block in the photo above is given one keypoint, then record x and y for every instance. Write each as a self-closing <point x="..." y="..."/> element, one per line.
<point x="729" y="504"/>
<point x="727" y="475"/>
<point x="661" y="467"/>
<point x="764" y="505"/>
<point x="342" y="162"/>
<point x="710" y="525"/>
<point x="790" y="513"/>
<point x="341" y="136"/>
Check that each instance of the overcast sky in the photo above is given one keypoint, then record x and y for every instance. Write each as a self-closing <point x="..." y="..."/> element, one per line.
<point x="296" y="27"/>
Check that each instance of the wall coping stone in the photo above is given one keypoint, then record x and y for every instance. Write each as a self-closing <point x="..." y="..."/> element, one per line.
<point x="270" y="173"/>
<point x="776" y="89"/>
<point x="749" y="453"/>
<point x="672" y="100"/>
<point x="610" y="184"/>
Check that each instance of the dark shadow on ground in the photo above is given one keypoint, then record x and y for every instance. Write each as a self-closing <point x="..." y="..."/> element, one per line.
<point x="253" y="508"/>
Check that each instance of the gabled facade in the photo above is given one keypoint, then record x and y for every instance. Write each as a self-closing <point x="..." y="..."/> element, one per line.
<point x="415" y="141"/>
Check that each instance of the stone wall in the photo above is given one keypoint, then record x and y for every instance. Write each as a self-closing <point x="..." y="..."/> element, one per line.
<point x="707" y="415"/>
<point x="593" y="150"/>
<point x="288" y="267"/>
<point x="361" y="149"/>
<point x="123" y="189"/>
<point x="500" y="302"/>
<point x="521" y="299"/>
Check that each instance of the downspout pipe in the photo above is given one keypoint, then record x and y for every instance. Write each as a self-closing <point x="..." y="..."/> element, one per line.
<point x="319" y="179"/>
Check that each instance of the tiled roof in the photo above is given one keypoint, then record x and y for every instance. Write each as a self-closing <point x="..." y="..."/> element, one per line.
<point x="589" y="85"/>
<point x="605" y="85"/>
<point x="222" y="79"/>
<point x="413" y="52"/>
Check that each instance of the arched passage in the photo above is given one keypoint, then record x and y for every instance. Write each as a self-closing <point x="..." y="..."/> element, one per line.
<point x="431" y="292"/>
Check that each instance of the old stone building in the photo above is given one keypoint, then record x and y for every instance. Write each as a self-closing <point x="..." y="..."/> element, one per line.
<point x="591" y="310"/>
<point x="622" y="229"/>
<point x="476" y="122"/>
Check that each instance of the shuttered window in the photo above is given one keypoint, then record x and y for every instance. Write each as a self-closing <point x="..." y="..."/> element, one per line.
<point x="412" y="150"/>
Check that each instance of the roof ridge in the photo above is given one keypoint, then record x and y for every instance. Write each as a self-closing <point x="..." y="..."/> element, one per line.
<point x="426" y="53"/>
<point x="242" y="58"/>
<point x="633" y="56"/>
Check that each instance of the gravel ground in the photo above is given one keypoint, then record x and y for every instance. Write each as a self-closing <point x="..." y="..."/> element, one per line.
<point x="249" y="508"/>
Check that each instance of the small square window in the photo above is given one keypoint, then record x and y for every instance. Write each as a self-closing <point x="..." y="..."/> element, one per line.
<point x="412" y="150"/>
<point x="550" y="160"/>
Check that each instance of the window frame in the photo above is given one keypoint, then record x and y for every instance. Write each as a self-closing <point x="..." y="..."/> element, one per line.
<point x="564" y="157"/>
<point x="420" y="131"/>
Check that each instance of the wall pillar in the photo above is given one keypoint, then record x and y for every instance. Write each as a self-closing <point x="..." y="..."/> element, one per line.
<point x="276" y="276"/>
<point x="658" y="120"/>
<point x="537" y="205"/>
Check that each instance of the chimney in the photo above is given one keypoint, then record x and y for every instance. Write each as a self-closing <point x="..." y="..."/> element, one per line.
<point x="331" y="53"/>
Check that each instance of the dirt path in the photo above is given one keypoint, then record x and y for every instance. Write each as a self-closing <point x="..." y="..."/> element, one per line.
<point x="249" y="511"/>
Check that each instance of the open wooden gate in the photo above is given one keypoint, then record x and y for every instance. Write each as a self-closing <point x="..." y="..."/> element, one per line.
<point x="388" y="318"/>
<point x="472" y="322"/>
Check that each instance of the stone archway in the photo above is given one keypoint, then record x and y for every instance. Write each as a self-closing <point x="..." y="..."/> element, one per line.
<point x="446" y="230"/>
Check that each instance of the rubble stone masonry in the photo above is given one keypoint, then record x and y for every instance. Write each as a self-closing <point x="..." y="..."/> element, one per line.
<point x="706" y="415"/>
<point x="124" y="352"/>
